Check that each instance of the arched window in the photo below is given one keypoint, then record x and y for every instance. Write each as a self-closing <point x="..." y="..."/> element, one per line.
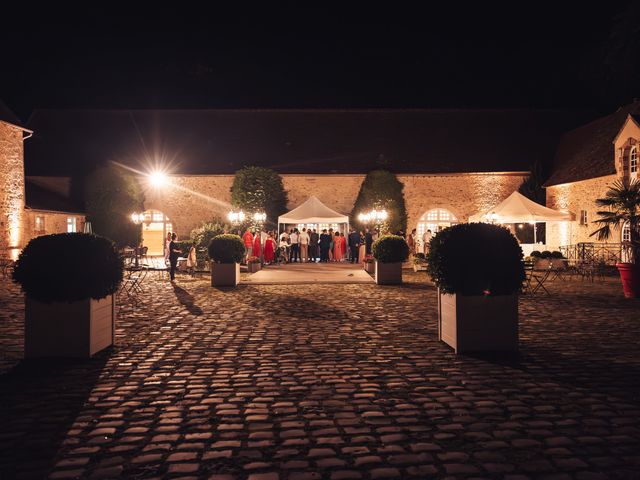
<point x="435" y="220"/>
<point x="633" y="161"/>
<point x="626" y="232"/>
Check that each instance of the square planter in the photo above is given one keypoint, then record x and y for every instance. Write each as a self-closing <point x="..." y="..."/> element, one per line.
<point x="369" y="267"/>
<point x="253" y="267"/>
<point x="478" y="323"/>
<point x="388" y="273"/>
<point x="225" y="274"/>
<point x="61" y="329"/>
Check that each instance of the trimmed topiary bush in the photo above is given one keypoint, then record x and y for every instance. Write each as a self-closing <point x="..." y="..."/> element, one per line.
<point x="556" y="254"/>
<point x="390" y="249"/>
<point x="226" y="248"/>
<point x="476" y="259"/>
<point x="68" y="267"/>
<point x="536" y="254"/>
<point x="545" y="254"/>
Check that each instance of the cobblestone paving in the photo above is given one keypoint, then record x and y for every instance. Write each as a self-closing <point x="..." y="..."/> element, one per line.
<point x="328" y="382"/>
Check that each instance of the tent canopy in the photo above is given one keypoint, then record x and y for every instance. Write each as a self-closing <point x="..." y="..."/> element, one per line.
<point x="313" y="211"/>
<point x="517" y="208"/>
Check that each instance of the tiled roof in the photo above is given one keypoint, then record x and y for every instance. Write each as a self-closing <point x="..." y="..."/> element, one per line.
<point x="39" y="198"/>
<point x="67" y="142"/>
<point x="587" y="151"/>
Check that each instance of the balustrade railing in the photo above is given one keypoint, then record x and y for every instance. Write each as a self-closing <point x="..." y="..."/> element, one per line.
<point x="607" y="253"/>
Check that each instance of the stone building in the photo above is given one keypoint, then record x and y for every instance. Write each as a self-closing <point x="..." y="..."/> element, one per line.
<point x="452" y="163"/>
<point x="28" y="207"/>
<point x="588" y="160"/>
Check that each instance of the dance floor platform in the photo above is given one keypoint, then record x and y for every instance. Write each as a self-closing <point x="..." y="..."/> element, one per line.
<point x="301" y="273"/>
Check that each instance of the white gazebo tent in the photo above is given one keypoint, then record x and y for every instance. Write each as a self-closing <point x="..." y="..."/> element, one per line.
<point x="312" y="211"/>
<point x="517" y="208"/>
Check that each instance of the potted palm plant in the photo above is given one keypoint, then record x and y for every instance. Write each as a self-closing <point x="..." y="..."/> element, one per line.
<point x="69" y="281"/>
<point x="389" y="251"/>
<point x="226" y="252"/>
<point x="478" y="270"/>
<point x="622" y="201"/>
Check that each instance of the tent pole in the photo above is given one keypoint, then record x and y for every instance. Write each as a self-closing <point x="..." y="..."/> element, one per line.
<point x="535" y="231"/>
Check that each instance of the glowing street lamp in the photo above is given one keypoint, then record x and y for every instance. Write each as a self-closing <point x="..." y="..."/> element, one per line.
<point x="260" y="217"/>
<point x="236" y="217"/>
<point x="375" y="216"/>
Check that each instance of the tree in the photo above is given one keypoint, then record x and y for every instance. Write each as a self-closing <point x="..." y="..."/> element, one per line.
<point x="382" y="190"/>
<point x="111" y="196"/>
<point x="257" y="189"/>
<point x="532" y="188"/>
<point x="622" y="201"/>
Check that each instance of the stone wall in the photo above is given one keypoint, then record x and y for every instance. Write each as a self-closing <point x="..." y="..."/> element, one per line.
<point x="11" y="189"/>
<point x="193" y="199"/>
<point x="54" y="222"/>
<point x="574" y="197"/>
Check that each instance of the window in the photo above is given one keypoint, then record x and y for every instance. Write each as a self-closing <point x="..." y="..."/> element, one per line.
<point x="435" y="220"/>
<point x="583" y="217"/>
<point x="626" y="232"/>
<point x="39" y="225"/>
<point x="633" y="161"/>
<point x="71" y="224"/>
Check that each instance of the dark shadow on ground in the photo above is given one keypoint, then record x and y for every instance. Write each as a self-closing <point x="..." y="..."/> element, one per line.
<point x="186" y="299"/>
<point x="40" y="400"/>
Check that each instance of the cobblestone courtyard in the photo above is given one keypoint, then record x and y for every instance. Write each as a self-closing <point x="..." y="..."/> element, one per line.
<point x="327" y="382"/>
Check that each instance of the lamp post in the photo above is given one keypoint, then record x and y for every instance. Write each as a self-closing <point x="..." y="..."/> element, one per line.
<point x="136" y="218"/>
<point x="374" y="216"/>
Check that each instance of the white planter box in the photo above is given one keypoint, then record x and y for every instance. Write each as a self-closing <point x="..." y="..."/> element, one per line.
<point x="60" y="329"/>
<point x="369" y="267"/>
<point x="388" y="273"/>
<point x="478" y="323"/>
<point x="225" y="274"/>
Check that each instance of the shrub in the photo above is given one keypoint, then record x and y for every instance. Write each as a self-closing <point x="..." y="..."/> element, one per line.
<point x="545" y="254"/>
<point x="111" y="196"/>
<point x="68" y="267"/>
<point x="419" y="258"/>
<point x="226" y="248"/>
<point x="536" y="254"/>
<point x="390" y="249"/>
<point x="556" y="254"/>
<point x="184" y="247"/>
<point x="259" y="189"/>
<point x="382" y="189"/>
<point x="476" y="259"/>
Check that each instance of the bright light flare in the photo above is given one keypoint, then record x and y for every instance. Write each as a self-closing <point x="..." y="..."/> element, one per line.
<point x="158" y="179"/>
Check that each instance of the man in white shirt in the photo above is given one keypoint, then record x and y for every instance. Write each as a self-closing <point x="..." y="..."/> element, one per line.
<point x="426" y="238"/>
<point x="295" y="246"/>
<point x="303" y="238"/>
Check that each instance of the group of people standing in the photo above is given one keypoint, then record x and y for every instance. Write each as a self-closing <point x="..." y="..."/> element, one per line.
<point x="308" y="245"/>
<point x="419" y="245"/>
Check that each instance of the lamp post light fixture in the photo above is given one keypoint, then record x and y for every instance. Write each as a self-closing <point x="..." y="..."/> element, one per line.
<point x="374" y="216"/>
<point x="137" y="219"/>
<point x="260" y="217"/>
<point x="236" y="217"/>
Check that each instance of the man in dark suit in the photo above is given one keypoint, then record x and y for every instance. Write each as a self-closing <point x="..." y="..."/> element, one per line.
<point x="368" y="241"/>
<point x="325" y="245"/>
<point x="354" y="245"/>
<point x="313" y="245"/>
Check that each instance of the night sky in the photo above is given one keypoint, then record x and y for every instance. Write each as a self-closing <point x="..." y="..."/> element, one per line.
<point x="544" y="57"/>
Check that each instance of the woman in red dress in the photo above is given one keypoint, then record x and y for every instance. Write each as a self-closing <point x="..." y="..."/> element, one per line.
<point x="257" y="248"/>
<point x="269" y="250"/>
<point x="337" y="247"/>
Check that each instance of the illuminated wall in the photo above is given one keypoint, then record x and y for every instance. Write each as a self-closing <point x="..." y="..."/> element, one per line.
<point x="11" y="189"/>
<point x="195" y="198"/>
<point x="574" y="198"/>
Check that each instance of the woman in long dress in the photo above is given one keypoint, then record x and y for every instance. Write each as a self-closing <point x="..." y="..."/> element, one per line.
<point x="269" y="249"/>
<point x="337" y="248"/>
<point x="363" y="248"/>
<point x="343" y="245"/>
<point x="257" y="248"/>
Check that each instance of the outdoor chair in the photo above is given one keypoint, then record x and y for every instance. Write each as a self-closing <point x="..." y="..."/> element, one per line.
<point x="534" y="280"/>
